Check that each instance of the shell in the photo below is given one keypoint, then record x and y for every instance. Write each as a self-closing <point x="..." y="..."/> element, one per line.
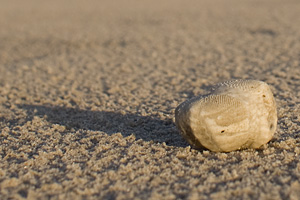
<point x="237" y="114"/>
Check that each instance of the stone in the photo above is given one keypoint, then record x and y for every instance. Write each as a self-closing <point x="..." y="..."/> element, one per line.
<point x="235" y="115"/>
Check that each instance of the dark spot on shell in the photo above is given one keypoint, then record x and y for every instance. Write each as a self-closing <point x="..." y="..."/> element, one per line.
<point x="222" y="131"/>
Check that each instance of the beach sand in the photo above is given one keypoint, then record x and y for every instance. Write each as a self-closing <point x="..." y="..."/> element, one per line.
<point x="89" y="89"/>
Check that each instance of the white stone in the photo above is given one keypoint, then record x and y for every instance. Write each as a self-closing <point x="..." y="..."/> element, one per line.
<point x="236" y="115"/>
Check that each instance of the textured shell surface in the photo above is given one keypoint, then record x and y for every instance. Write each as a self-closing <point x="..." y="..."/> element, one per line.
<point x="236" y="114"/>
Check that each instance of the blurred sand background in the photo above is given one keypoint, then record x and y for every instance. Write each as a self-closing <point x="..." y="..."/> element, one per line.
<point x="89" y="88"/>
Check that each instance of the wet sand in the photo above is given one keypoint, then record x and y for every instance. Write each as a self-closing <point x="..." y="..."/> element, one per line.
<point x="89" y="89"/>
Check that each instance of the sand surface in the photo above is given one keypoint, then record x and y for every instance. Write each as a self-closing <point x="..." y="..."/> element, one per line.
<point x="89" y="88"/>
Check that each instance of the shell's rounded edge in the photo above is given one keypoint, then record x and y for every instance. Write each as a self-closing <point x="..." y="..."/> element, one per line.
<point x="182" y="122"/>
<point x="271" y="105"/>
<point x="268" y="105"/>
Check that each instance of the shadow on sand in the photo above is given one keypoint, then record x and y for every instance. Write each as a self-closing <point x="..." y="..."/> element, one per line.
<point x="147" y="128"/>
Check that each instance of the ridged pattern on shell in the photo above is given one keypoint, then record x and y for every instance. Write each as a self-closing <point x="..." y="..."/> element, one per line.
<point x="241" y="84"/>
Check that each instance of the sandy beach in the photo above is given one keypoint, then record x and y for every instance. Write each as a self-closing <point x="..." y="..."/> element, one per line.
<point x="89" y="89"/>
